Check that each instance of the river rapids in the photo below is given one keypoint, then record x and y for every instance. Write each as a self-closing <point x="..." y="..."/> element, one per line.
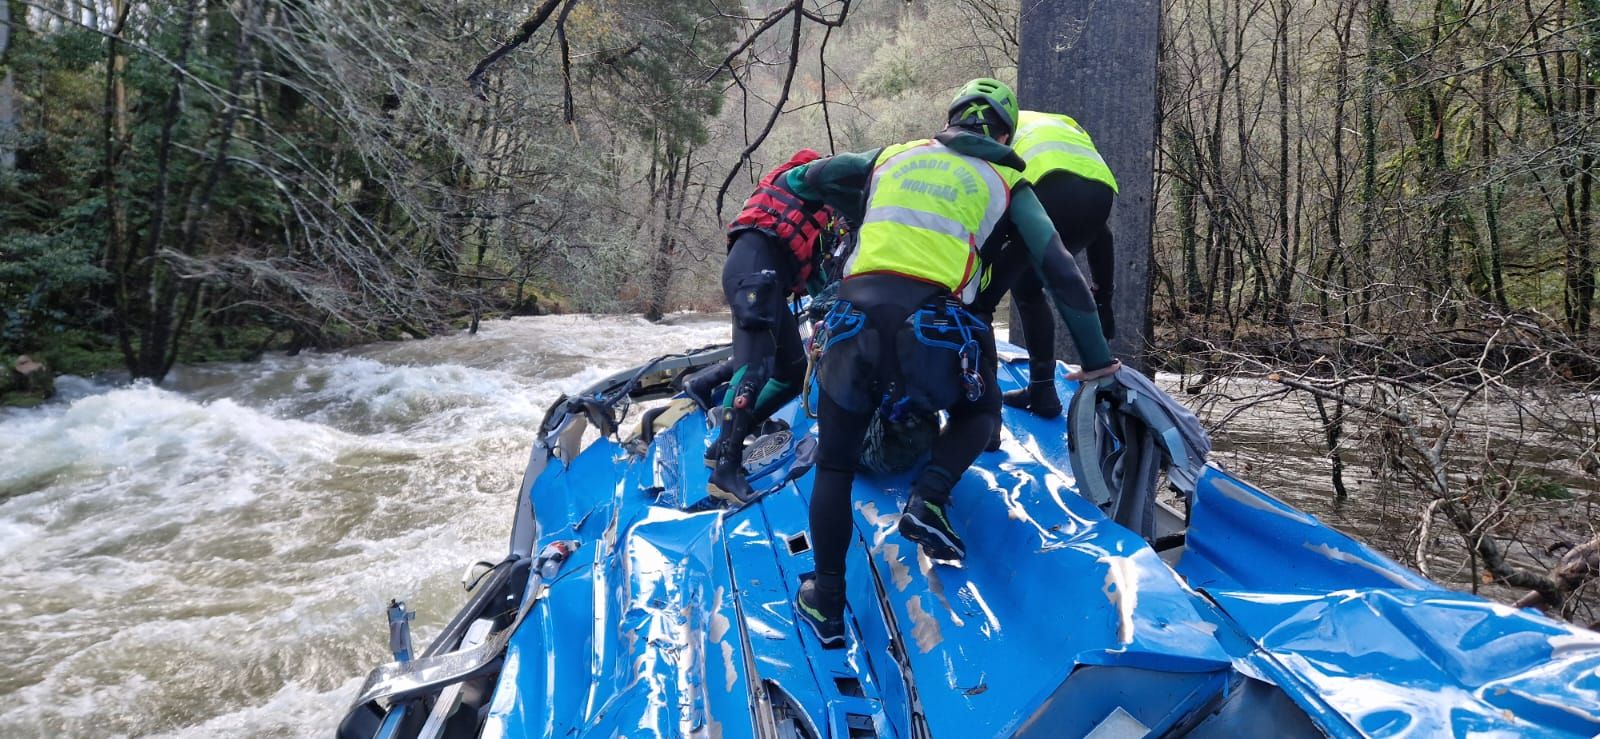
<point x="212" y="557"/>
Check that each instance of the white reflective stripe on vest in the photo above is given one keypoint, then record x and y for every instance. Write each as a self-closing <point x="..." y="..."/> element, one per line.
<point x="1065" y="148"/>
<point x="898" y="158"/>
<point x="999" y="200"/>
<point x="919" y="219"/>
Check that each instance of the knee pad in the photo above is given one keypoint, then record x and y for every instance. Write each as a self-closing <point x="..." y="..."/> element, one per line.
<point x="746" y="387"/>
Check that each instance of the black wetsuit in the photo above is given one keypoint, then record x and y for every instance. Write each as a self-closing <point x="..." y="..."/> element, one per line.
<point x="766" y="339"/>
<point x="886" y="301"/>
<point x="1079" y="209"/>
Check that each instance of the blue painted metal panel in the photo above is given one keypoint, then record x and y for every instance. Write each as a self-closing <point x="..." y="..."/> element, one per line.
<point x="1234" y="527"/>
<point x="663" y="621"/>
<point x="1421" y="663"/>
<point x="1041" y="591"/>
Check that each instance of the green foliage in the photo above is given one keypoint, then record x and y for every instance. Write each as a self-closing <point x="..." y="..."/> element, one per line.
<point x="658" y="51"/>
<point x="50" y="215"/>
<point x="1541" y="487"/>
<point x="37" y="272"/>
<point x="894" y="72"/>
<point x="79" y="352"/>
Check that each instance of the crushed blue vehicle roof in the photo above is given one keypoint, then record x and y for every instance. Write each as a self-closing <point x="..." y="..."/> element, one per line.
<point x="669" y="620"/>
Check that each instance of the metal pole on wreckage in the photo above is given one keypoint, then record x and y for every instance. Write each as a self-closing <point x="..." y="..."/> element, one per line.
<point x="1096" y="61"/>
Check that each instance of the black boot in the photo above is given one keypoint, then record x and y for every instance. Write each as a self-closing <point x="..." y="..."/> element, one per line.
<point x="927" y="524"/>
<point x="714" y="449"/>
<point x="1038" y="398"/>
<point x="701" y="386"/>
<point x="769" y="426"/>
<point x="728" y="481"/>
<point x="823" y="611"/>
<point x="994" y="439"/>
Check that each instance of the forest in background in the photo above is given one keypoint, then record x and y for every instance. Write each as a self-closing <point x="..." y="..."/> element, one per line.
<point x="1384" y="207"/>
<point x="206" y="179"/>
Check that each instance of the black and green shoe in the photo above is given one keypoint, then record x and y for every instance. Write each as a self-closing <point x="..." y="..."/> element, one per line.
<point x="814" y="613"/>
<point x="926" y="524"/>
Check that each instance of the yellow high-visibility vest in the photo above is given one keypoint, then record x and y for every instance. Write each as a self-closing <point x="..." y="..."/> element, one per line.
<point x="1049" y="142"/>
<point x="929" y="208"/>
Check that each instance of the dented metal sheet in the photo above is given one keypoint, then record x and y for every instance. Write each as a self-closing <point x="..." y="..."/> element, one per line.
<point x="668" y="622"/>
<point x="1429" y="663"/>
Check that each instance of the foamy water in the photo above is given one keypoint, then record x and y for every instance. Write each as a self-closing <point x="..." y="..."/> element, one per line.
<point x="213" y="557"/>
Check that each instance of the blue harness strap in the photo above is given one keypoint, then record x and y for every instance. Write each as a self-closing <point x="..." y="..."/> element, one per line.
<point x="969" y="350"/>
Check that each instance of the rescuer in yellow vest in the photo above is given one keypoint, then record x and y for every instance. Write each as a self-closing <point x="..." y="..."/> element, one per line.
<point x="900" y="340"/>
<point x="1077" y="190"/>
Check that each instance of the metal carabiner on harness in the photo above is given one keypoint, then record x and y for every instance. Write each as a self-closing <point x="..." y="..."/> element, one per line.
<point x="819" y="340"/>
<point x="971" y="380"/>
<point x="971" y="353"/>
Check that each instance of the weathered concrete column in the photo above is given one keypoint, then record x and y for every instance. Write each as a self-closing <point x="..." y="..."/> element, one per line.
<point x="1095" y="60"/>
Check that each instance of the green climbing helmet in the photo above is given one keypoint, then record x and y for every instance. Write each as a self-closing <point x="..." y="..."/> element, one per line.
<point x="982" y="96"/>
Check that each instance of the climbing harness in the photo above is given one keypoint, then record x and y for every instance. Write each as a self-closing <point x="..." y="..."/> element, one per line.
<point x="950" y="327"/>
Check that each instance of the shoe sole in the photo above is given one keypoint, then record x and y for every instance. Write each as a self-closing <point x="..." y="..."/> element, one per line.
<point x="924" y="535"/>
<point x="725" y="496"/>
<point x="831" y="641"/>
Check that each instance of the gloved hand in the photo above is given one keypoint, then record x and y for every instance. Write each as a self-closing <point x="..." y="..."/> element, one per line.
<point x="1081" y="376"/>
<point x="1108" y="320"/>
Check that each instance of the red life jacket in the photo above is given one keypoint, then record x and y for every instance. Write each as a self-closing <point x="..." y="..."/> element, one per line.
<point x="778" y="213"/>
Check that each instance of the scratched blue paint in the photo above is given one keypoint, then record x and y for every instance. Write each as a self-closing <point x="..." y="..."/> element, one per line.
<point x="664" y="621"/>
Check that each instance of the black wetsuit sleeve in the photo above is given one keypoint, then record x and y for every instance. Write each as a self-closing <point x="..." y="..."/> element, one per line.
<point x="1062" y="279"/>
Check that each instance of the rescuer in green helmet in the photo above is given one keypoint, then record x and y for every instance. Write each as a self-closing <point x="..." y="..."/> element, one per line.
<point x="900" y="339"/>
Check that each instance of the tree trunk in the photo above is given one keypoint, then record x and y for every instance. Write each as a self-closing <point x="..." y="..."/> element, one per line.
<point x="1336" y="247"/>
<point x="153" y="313"/>
<point x="1188" y="225"/>
<point x="8" y="94"/>
<point x="1369" y="166"/>
<point x="661" y="264"/>
<point x="1100" y="68"/>
<point x="1280" y="299"/>
<point x="114" y="132"/>
<point x="1584" y="286"/>
<point x="183" y="304"/>
<point x="1491" y="197"/>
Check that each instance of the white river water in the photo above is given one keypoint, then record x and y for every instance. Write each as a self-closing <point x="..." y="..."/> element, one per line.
<point x="212" y="557"/>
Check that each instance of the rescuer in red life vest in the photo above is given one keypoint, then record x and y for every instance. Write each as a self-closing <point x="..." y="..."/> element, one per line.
<point x="772" y="252"/>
